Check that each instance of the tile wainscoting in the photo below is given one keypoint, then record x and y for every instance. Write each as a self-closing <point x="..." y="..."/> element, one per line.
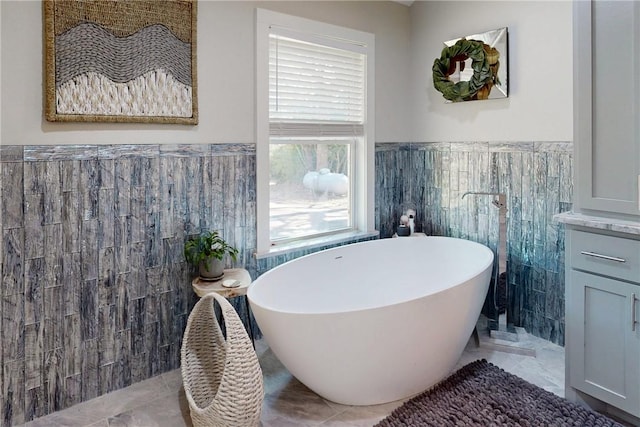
<point x="95" y="290"/>
<point x="537" y="180"/>
<point x="96" y="294"/>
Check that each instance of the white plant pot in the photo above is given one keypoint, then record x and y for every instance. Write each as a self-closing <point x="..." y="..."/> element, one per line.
<point x="212" y="269"/>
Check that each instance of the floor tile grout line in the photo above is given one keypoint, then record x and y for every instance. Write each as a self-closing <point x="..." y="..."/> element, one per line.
<point x="168" y="392"/>
<point x="334" y="415"/>
<point x="106" y="422"/>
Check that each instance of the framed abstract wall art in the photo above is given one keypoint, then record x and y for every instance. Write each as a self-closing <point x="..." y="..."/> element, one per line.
<point x="474" y="67"/>
<point x="120" y="61"/>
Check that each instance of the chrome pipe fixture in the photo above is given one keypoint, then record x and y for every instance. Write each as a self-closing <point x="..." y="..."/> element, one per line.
<point x="504" y="322"/>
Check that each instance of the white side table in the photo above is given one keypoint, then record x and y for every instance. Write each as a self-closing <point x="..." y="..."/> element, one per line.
<point x="204" y="287"/>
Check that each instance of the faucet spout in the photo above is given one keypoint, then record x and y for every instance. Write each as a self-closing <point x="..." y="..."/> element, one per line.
<point x="480" y="193"/>
<point x="500" y="202"/>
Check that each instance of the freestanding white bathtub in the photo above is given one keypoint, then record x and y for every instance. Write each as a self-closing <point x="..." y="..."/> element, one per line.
<point x="374" y="322"/>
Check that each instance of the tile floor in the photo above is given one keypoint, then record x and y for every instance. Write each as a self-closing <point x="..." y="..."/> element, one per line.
<point x="160" y="401"/>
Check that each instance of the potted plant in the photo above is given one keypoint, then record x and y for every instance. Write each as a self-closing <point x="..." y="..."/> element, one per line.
<point x="207" y="252"/>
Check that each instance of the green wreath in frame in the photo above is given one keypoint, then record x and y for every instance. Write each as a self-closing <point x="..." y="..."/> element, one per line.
<point x="446" y="64"/>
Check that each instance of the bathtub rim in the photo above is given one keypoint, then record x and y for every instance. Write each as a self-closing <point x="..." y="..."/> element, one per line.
<point x="461" y="282"/>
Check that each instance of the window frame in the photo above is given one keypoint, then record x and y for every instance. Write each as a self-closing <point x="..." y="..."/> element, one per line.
<point x="363" y="161"/>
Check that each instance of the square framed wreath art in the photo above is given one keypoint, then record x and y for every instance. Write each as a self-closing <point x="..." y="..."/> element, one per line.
<point x="475" y="67"/>
<point x="120" y="61"/>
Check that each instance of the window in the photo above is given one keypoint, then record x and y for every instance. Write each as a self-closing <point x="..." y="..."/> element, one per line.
<point x="314" y="134"/>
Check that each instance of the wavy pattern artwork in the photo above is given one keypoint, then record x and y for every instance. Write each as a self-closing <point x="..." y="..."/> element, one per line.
<point x="153" y="94"/>
<point x="121" y="61"/>
<point x="90" y="48"/>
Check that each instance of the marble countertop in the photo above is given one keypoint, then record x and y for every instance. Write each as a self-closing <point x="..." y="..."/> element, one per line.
<point x="599" y="222"/>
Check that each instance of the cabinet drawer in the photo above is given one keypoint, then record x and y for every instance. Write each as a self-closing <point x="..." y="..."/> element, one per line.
<point x="606" y="255"/>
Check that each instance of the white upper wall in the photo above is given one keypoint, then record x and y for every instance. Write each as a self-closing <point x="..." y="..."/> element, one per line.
<point x="226" y="81"/>
<point x="539" y="106"/>
<point x="408" y="108"/>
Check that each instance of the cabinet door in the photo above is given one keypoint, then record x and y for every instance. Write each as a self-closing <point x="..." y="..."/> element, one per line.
<point x="607" y="105"/>
<point x="604" y="349"/>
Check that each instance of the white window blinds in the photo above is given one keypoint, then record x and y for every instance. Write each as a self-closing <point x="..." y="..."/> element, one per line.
<point x="312" y="83"/>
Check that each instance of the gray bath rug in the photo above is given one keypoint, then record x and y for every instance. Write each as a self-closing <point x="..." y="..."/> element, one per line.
<point x="481" y="394"/>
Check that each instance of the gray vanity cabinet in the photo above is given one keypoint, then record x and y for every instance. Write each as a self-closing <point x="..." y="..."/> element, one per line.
<point x="605" y="347"/>
<point x="607" y="106"/>
<point x="603" y="334"/>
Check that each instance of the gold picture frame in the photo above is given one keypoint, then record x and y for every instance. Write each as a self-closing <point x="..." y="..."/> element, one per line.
<point x="120" y="61"/>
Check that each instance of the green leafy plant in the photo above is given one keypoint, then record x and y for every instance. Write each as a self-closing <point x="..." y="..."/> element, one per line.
<point x="208" y="245"/>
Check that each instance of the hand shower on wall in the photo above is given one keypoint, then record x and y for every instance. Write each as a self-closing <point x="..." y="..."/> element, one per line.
<point x="502" y="323"/>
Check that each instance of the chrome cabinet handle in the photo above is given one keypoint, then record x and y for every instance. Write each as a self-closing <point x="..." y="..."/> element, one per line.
<point x="607" y="257"/>
<point x="633" y="312"/>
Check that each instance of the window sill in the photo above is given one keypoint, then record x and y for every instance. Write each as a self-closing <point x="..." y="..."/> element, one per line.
<point x="334" y="239"/>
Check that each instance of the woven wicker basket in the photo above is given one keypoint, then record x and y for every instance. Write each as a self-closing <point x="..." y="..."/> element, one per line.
<point x="222" y="379"/>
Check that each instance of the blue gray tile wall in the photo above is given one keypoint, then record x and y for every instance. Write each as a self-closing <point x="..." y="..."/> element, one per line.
<point x="537" y="179"/>
<point x="95" y="291"/>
